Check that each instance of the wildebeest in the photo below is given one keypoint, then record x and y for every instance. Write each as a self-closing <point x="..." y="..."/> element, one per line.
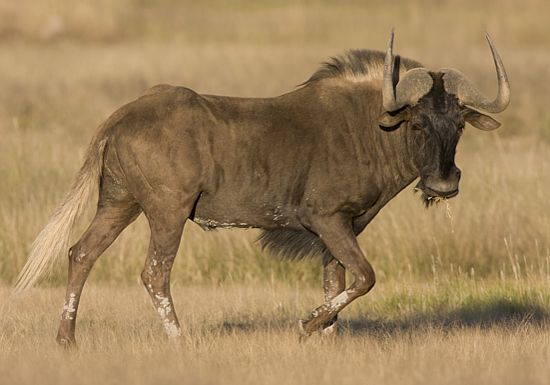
<point x="311" y="168"/>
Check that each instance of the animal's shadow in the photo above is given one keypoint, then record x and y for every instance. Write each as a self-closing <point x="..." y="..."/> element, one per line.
<point x="499" y="312"/>
<point x="492" y="313"/>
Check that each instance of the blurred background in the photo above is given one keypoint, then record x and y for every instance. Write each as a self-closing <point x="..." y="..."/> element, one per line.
<point x="65" y="66"/>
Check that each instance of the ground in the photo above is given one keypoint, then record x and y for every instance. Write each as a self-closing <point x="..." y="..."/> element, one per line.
<point x="403" y="334"/>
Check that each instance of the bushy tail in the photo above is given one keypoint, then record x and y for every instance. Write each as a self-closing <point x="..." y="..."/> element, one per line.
<point x="54" y="238"/>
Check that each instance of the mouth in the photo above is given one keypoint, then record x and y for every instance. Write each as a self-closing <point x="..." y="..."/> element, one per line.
<point x="430" y="196"/>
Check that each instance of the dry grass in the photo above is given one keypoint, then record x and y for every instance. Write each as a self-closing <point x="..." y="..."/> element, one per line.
<point x="58" y="87"/>
<point x="456" y="302"/>
<point x="246" y="335"/>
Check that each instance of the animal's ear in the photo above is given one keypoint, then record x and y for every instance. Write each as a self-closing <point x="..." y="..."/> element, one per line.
<point x="389" y="121"/>
<point x="479" y="120"/>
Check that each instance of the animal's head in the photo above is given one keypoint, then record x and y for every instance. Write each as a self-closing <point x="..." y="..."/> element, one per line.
<point x="434" y="106"/>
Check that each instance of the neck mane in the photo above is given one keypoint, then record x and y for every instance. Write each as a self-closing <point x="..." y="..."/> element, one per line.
<point x="392" y="149"/>
<point x="359" y="65"/>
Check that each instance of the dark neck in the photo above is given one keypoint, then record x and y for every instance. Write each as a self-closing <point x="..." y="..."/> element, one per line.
<point x="395" y="157"/>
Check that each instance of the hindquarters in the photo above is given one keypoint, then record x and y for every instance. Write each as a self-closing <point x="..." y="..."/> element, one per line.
<point x="146" y="167"/>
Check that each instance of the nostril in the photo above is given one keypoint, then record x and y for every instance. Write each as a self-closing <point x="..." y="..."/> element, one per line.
<point x="458" y="173"/>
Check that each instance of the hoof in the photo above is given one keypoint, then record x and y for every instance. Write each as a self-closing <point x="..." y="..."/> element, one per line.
<point x="302" y="331"/>
<point x="331" y="330"/>
<point x="66" y="342"/>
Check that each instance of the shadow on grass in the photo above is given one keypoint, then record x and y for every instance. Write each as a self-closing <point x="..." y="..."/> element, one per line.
<point x="252" y="326"/>
<point x="486" y="314"/>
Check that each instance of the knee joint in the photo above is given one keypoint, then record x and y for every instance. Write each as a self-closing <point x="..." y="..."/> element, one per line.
<point x="147" y="277"/>
<point x="365" y="282"/>
<point x="152" y="278"/>
<point x="76" y="254"/>
<point x="157" y="271"/>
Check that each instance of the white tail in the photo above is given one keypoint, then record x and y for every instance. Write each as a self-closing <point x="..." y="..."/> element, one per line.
<point x="54" y="238"/>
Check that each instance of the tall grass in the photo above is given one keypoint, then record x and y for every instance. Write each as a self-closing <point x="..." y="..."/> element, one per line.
<point x="65" y="67"/>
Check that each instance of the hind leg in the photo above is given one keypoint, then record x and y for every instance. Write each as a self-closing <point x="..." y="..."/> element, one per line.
<point x="112" y="216"/>
<point x="158" y="266"/>
<point x="166" y="222"/>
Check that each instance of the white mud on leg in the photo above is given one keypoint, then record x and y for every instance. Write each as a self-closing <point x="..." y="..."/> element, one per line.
<point x="337" y="302"/>
<point x="164" y="309"/>
<point x="69" y="309"/>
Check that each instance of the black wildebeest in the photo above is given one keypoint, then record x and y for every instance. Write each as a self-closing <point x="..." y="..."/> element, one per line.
<point x="311" y="168"/>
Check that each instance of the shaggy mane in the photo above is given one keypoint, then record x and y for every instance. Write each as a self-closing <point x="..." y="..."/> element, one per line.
<point x="359" y="65"/>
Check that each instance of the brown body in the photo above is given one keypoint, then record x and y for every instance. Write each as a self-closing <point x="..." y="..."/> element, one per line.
<point x="249" y="171"/>
<point x="311" y="168"/>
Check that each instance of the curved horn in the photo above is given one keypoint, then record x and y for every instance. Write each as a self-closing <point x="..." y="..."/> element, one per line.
<point x="415" y="83"/>
<point x="388" y="92"/>
<point x="457" y="83"/>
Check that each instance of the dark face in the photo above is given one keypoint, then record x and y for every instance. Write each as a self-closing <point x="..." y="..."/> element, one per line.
<point x="435" y="125"/>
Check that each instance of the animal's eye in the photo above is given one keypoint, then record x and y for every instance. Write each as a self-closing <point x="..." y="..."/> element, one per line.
<point x="417" y="127"/>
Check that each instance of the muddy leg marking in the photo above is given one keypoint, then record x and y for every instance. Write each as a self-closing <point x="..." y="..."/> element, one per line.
<point x="69" y="308"/>
<point x="156" y="278"/>
<point x="164" y="309"/>
<point x="166" y="233"/>
<point x="334" y="280"/>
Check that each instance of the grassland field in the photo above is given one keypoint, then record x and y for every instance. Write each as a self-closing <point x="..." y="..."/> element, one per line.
<point x="463" y="292"/>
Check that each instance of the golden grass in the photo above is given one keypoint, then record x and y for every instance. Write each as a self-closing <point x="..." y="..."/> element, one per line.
<point x="456" y="302"/>
<point x="58" y="88"/>
<point x="247" y="335"/>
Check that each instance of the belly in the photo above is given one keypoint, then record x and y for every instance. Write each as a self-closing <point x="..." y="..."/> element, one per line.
<point x="226" y="212"/>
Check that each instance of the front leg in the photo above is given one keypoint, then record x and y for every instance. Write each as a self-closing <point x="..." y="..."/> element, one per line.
<point x="337" y="233"/>
<point x="334" y="282"/>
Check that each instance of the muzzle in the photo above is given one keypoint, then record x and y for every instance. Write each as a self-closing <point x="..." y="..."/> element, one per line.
<point x="435" y="186"/>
